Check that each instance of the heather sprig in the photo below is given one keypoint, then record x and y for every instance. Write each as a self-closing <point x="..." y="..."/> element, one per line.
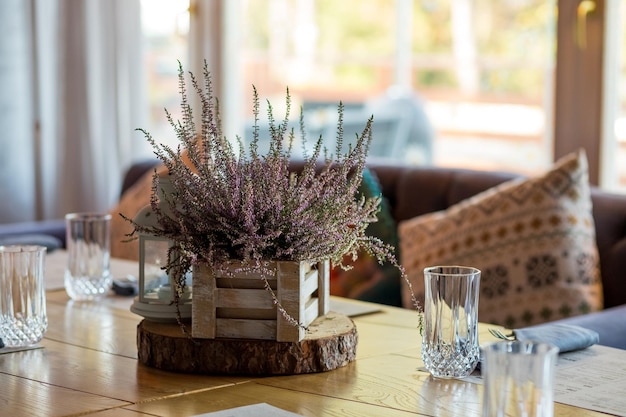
<point x="231" y="203"/>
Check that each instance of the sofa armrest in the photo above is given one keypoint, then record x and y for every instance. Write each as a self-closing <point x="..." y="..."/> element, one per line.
<point x="48" y="233"/>
<point x="136" y="171"/>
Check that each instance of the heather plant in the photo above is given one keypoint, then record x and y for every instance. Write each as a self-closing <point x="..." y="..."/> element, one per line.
<point x="228" y="202"/>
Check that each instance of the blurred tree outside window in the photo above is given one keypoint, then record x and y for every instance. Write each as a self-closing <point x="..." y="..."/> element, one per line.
<point x="165" y="25"/>
<point x="482" y="71"/>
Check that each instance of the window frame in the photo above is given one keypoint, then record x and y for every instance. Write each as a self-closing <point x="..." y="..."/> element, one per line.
<point x="578" y="104"/>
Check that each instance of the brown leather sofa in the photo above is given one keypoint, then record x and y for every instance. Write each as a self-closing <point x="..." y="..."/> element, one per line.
<point x="412" y="191"/>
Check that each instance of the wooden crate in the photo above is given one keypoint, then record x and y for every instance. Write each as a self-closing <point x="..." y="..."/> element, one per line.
<point x="237" y="304"/>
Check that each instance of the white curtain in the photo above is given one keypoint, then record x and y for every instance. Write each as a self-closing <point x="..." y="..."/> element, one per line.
<point x="86" y="67"/>
<point x="17" y="151"/>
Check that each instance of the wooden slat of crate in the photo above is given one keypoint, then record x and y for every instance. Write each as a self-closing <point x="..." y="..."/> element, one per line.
<point x="234" y="270"/>
<point x="246" y="329"/>
<point x="297" y="288"/>
<point x="309" y="286"/>
<point x="311" y="310"/>
<point x="237" y="313"/>
<point x="323" y="287"/>
<point x="290" y="295"/>
<point x="203" y="311"/>
<point x="250" y="283"/>
<point x="243" y="298"/>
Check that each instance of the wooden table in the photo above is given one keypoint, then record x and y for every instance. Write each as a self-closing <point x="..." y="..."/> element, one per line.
<point x="88" y="366"/>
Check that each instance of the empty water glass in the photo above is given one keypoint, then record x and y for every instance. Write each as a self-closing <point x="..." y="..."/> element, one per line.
<point x="23" y="319"/>
<point x="518" y="379"/>
<point x="88" y="275"/>
<point x="450" y="338"/>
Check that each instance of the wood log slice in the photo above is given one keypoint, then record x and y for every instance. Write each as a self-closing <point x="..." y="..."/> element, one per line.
<point x="329" y="343"/>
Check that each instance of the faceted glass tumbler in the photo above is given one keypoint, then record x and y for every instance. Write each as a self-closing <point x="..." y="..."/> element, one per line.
<point x="23" y="319"/>
<point x="88" y="239"/>
<point x="518" y="379"/>
<point x="450" y="346"/>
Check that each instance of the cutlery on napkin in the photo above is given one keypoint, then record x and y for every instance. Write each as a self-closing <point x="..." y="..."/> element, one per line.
<point x="566" y="337"/>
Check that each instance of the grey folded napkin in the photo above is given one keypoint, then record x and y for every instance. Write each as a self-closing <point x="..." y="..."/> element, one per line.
<point x="566" y="337"/>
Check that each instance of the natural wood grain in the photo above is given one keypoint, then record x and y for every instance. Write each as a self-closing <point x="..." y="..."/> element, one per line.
<point x="93" y="326"/>
<point x="115" y="305"/>
<point x="116" y="412"/>
<point x="391" y="381"/>
<point x="398" y="382"/>
<point x="251" y="393"/>
<point x="87" y="366"/>
<point x="100" y="373"/>
<point x="21" y="396"/>
<point x="329" y="343"/>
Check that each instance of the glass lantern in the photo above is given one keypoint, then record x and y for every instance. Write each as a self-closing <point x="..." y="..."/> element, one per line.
<point x="155" y="301"/>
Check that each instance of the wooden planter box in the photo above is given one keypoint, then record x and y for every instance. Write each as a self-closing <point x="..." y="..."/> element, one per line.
<point x="237" y="304"/>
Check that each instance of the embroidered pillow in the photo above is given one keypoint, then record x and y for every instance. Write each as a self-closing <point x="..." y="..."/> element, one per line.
<point x="533" y="239"/>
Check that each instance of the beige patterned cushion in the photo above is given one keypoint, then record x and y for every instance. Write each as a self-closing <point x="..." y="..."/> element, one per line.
<point x="533" y="239"/>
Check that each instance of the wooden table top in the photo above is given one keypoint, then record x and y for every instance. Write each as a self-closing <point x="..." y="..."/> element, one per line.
<point x="88" y="366"/>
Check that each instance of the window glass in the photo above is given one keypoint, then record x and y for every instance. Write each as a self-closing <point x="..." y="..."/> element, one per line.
<point x="165" y="25"/>
<point x="476" y="74"/>
<point x="479" y="75"/>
